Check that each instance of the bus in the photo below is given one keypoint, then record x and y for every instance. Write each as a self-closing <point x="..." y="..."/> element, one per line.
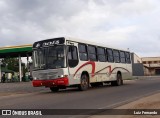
<point x="64" y="62"/>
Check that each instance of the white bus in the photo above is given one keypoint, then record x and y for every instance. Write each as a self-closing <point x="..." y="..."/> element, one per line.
<point x="67" y="62"/>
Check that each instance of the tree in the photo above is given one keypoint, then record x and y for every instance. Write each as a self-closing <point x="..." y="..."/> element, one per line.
<point x="11" y="63"/>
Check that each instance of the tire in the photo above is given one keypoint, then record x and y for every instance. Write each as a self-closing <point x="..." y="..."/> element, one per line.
<point x="54" y="89"/>
<point x="84" y="85"/>
<point x="119" y="80"/>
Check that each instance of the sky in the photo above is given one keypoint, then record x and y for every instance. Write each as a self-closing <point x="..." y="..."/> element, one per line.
<point x="132" y="24"/>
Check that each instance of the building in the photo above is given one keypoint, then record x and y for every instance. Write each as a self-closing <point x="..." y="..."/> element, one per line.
<point x="137" y="65"/>
<point x="136" y="58"/>
<point x="145" y="66"/>
<point x="151" y="65"/>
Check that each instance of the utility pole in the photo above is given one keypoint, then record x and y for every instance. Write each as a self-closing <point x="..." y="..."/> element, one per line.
<point x="20" y="69"/>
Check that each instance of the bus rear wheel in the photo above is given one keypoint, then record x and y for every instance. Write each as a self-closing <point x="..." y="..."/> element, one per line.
<point x="84" y="85"/>
<point x="54" y="89"/>
<point x="119" y="80"/>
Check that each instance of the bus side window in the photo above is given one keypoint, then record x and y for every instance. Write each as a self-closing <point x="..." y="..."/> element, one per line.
<point x="92" y="53"/>
<point x="110" y="55"/>
<point x="83" y="52"/>
<point x="72" y="56"/>
<point x="122" y="57"/>
<point x="116" y="56"/>
<point x="128" y="60"/>
<point x="101" y="54"/>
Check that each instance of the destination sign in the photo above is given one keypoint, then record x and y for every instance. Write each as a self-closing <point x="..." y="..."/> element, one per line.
<point x="49" y="42"/>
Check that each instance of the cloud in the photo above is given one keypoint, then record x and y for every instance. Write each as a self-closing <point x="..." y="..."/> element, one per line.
<point x="125" y="24"/>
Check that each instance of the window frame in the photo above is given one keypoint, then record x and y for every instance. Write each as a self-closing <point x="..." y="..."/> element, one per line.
<point x="108" y="55"/>
<point x="116" y="56"/>
<point x="122" y="57"/>
<point x="72" y="62"/>
<point x="91" y="53"/>
<point x="128" y="59"/>
<point x="100" y="54"/>
<point x="86" y="52"/>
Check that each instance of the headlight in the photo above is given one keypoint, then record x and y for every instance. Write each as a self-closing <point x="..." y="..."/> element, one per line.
<point x="61" y="75"/>
<point x="35" y="78"/>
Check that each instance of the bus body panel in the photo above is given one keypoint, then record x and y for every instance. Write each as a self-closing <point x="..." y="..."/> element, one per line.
<point x="103" y="71"/>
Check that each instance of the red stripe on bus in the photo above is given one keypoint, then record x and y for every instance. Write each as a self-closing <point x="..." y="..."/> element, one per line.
<point x="120" y="67"/>
<point x="111" y="70"/>
<point x="93" y="68"/>
<point x="105" y="68"/>
<point x="87" y="63"/>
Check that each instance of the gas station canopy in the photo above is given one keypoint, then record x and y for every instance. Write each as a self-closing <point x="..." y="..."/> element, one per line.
<point x="16" y="51"/>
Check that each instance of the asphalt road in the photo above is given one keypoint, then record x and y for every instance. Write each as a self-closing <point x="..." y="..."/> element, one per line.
<point x="95" y="98"/>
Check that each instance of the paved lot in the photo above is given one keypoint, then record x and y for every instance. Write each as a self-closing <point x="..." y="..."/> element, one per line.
<point x="106" y="97"/>
<point x="18" y="88"/>
<point x="150" y="102"/>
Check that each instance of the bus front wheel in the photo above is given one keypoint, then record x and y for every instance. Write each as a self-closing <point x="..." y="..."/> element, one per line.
<point x="84" y="85"/>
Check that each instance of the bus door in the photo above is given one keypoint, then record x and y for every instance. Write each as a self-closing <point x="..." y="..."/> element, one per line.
<point x="72" y="62"/>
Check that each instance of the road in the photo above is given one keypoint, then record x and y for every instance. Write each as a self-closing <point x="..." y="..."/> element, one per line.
<point x="95" y="98"/>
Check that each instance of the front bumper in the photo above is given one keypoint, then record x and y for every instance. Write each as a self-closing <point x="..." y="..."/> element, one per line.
<point x="51" y="83"/>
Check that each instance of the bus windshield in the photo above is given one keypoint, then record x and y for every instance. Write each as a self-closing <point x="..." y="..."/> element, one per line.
<point x="49" y="57"/>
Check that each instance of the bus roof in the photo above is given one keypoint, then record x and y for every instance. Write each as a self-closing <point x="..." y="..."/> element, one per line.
<point x="93" y="43"/>
<point x="73" y="40"/>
